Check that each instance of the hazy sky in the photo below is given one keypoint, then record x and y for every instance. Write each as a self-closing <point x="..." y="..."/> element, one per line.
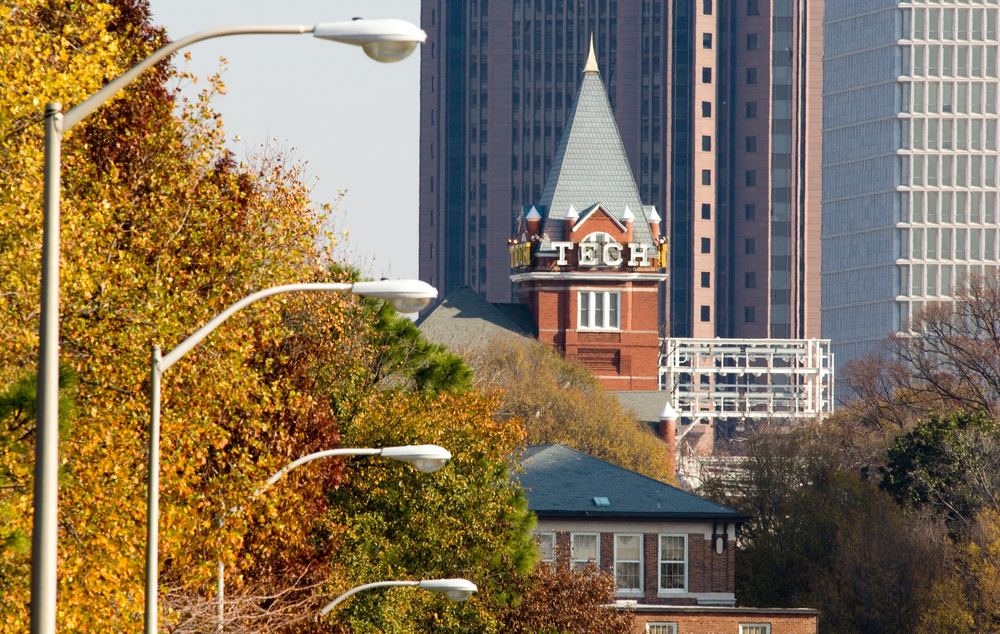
<point x="353" y="120"/>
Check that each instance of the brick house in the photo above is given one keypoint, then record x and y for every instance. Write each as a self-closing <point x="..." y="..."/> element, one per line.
<point x="672" y="552"/>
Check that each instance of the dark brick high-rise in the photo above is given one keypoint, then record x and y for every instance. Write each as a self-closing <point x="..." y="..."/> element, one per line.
<point x="498" y="79"/>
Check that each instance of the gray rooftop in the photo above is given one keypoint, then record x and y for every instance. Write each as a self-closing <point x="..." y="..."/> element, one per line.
<point x="590" y="166"/>
<point x="562" y="483"/>
<point x="645" y="404"/>
<point x="464" y="319"/>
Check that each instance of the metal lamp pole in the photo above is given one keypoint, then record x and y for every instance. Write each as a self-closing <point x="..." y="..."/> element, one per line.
<point x="409" y="295"/>
<point x="383" y="40"/>
<point x="454" y="589"/>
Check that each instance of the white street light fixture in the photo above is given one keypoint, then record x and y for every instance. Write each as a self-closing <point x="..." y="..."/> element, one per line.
<point x="454" y="589"/>
<point x="405" y="296"/>
<point x="385" y="42"/>
<point x="382" y="40"/>
<point x="424" y="458"/>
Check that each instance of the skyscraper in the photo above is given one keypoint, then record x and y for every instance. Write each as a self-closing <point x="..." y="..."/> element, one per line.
<point x="718" y="109"/>
<point x="910" y="161"/>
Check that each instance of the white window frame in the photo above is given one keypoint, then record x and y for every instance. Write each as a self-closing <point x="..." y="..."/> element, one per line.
<point x="755" y="628"/>
<point x="541" y="536"/>
<point x="595" y="308"/>
<point x="578" y="563"/>
<point x="661" y="562"/>
<point x="661" y="628"/>
<point x="633" y="591"/>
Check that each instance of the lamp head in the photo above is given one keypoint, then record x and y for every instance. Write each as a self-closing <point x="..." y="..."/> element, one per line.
<point x="454" y="589"/>
<point x="405" y="296"/>
<point x="423" y="458"/>
<point x="382" y="40"/>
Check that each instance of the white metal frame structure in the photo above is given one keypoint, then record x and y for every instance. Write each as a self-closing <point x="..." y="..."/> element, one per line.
<point x="748" y="379"/>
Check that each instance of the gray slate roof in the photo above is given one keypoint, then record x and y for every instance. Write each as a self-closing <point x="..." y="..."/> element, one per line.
<point x="465" y="320"/>
<point x="590" y="166"/>
<point x="562" y="483"/>
<point x="645" y="404"/>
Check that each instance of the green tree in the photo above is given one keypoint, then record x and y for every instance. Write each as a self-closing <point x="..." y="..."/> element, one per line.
<point x="948" y="464"/>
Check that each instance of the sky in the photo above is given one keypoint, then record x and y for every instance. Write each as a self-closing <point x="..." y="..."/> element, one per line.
<point x="353" y="121"/>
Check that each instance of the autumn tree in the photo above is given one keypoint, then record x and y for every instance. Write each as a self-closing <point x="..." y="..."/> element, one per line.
<point x="822" y="536"/>
<point x="562" y="402"/>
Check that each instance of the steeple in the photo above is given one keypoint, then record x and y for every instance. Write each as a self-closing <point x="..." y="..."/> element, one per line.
<point x="590" y="166"/>
<point x="591" y="66"/>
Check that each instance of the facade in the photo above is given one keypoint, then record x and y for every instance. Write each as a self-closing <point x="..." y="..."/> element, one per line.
<point x="672" y="553"/>
<point x="717" y="106"/>
<point x="910" y="161"/>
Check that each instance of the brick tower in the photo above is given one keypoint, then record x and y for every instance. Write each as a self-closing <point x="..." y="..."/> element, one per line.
<point x="587" y="259"/>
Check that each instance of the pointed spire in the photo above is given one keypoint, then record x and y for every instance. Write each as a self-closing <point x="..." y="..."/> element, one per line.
<point x="571" y="213"/>
<point x="668" y="413"/>
<point x="652" y="215"/>
<point x="533" y="214"/>
<point x="627" y="215"/>
<point x="591" y="66"/>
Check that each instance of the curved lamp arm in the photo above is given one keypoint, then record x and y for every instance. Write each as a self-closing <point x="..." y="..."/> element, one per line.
<point x="454" y="589"/>
<point x="410" y="292"/>
<point x="424" y="458"/>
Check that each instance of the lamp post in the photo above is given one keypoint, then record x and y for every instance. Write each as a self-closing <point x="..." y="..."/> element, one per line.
<point x="454" y="589"/>
<point x="423" y="458"/>
<point x="409" y="295"/>
<point x="384" y="40"/>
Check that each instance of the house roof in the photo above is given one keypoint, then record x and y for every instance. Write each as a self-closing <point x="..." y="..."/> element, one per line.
<point x="564" y="483"/>
<point x="465" y="319"/>
<point x="590" y="165"/>
<point x="645" y="404"/>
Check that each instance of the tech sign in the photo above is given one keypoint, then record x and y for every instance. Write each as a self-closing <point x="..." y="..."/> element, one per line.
<point x="592" y="254"/>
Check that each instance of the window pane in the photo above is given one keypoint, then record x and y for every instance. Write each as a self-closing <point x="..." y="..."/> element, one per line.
<point x="546" y="546"/>
<point x="584" y="549"/>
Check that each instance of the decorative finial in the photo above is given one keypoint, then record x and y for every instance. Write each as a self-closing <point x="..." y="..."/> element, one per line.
<point x="591" y="66"/>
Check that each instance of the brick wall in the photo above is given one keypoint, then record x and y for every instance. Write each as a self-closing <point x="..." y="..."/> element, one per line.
<point x="728" y="621"/>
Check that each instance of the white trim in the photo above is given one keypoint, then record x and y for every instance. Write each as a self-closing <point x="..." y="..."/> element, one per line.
<point x="660" y="590"/>
<point x="629" y="592"/>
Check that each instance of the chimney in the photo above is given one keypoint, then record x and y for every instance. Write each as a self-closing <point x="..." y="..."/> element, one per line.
<point x="571" y="218"/>
<point x="533" y="221"/>
<point x="668" y="427"/>
<point x="654" y="222"/>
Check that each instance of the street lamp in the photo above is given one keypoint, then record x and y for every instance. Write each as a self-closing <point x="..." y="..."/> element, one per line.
<point x="423" y="458"/>
<point x="454" y="589"/>
<point x="384" y="40"/>
<point x="411" y="293"/>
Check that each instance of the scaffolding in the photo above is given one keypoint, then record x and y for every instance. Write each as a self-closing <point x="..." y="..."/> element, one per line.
<point x="747" y="379"/>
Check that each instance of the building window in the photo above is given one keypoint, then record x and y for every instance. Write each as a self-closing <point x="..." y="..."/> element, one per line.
<point x="706" y="177"/>
<point x="751" y="144"/>
<point x="750" y="211"/>
<point x="706" y="313"/>
<point x="706" y="143"/>
<point x="628" y="563"/>
<point x="599" y="310"/>
<point x="706" y="109"/>
<point x="751" y="110"/>
<point x="753" y="7"/>
<point x="661" y="628"/>
<point x="751" y="178"/>
<point x="752" y="44"/>
<point x="706" y="245"/>
<point x="757" y="628"/>
<point x="706" y="75"/>
<point x="751" y="75"/>
<point x="706" y="7"/>
<point x="750" y="280"/>
<point x="584" y="549"/>
<point x="673" y="554"/>
<point x="706" y="211"/>
<point x="706" y="279"/>
<point x="546" y="546"/>
<point x="706" y="40"/>
<point x="750" y="246"/>
<point x="750" y="314"/>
